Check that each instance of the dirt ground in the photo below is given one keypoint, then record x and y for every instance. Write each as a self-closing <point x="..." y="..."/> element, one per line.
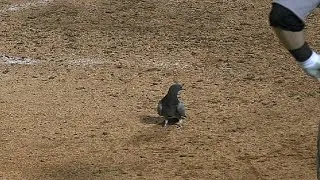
<point x="80" y="80"/>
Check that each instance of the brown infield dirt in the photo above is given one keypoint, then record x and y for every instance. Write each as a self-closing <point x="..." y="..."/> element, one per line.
<point x="80" y="81"/>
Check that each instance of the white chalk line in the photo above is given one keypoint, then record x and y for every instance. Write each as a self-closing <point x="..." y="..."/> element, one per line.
<point x="23" y="6"/>
<point x="86" y="62"/>
<point x="93" y="62"/>
<point x="5" y="59"/>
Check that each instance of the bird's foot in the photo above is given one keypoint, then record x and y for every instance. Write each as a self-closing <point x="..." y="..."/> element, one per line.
<point x="179" y="124"/>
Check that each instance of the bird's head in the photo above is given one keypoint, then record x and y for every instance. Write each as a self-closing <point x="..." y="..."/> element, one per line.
<point x="175" y="89"/>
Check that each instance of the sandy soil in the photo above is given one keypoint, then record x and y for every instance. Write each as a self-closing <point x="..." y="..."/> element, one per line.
<point x="80" y="81"/>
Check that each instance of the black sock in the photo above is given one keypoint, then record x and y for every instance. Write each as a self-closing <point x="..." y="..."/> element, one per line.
<point x="302" y="54"/>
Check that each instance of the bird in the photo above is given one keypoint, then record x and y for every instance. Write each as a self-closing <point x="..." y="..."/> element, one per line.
<point x="170" y="107"/>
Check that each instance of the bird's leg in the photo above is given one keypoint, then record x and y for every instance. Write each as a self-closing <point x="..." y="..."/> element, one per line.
<point x="166" y="123"/>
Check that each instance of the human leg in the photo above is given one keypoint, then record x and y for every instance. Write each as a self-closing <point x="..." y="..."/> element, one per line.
<point x="287" y="19"/>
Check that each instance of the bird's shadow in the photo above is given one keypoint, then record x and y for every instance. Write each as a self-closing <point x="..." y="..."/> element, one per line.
<point x="149" y="119"/>
<point x="158" y="120"/>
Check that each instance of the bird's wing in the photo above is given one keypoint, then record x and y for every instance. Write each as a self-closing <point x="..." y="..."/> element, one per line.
<point x="181" y="109"/>
<point x="159" y="108"/>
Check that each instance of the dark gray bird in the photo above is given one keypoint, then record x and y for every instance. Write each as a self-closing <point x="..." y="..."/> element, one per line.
<point x="170" y="107"/>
